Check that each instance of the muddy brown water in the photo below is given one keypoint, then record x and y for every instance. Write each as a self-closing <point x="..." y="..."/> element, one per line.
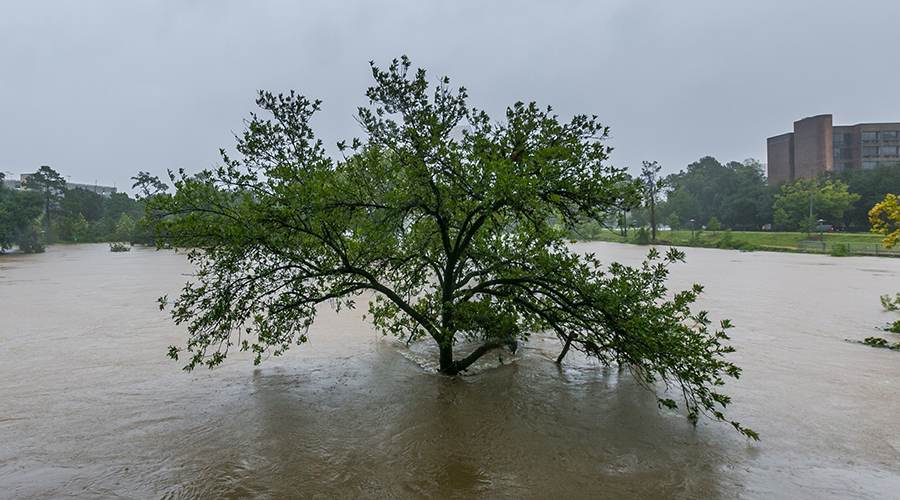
<point x="91" y="407"/>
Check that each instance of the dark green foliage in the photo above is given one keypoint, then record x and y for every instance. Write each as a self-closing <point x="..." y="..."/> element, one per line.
<point x="148" y="185"/>
<point x="81" y="201"/>
<point x="51" y="185"/>
<point x="872" y="186"/>
<point x="729" y="241"/>
<point x="30" y="241"/>
<point x="72" y="229"/>
<point x="840" y="250"/>
<point x="116" y="205"/>
<point x="642" y="237"/>
<point x="878" y="342"/>
<point x="19" y="212"/>
<point x="830" y="199"/>
<point x="76" y="214"/>
<point x="124" y="228"/>
<point x="735" y="194"/>
<point x="117" y="246"/>
<point x="674" y="221"/>
<point x="459" y="237"/>
<point x="889" y="304"/>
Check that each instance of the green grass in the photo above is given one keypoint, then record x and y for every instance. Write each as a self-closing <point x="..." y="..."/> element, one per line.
<point x="749" y="240"/>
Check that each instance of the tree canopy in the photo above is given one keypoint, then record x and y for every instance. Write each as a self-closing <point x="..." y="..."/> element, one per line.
<point x="885" y="220"/>
<point x="829" y="200"/>
<point x="735" y="194"/>
<point x="50" y="184"/>
<point x="148" y="185"/>
<point x="872" y="186"/>
<point x="19" y="211"/>
<point x="458" y="231"/>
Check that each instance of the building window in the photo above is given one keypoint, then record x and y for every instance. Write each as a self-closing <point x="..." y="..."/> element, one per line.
<point x="842" y="138"/>
<point x="842" y="153"/>
<point x="889" y="151"/>
<point x="869" y="165"/>
<point x="870" y="151"/>
<point x="869" y="136"/>
<point x="890" y="136"/>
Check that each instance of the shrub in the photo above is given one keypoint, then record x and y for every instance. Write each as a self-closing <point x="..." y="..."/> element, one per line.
<point x="729" y="241"/>
<point x="119" y="247"/>
<point x="890" y="305"/>
<point x="840" y="250"/>
<point x="643" y="237"/>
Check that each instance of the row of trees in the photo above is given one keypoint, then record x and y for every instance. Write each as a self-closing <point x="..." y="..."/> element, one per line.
<point x="19" y="213"/>
<point x="47" y="211"/>
<point x="735" y="195"/>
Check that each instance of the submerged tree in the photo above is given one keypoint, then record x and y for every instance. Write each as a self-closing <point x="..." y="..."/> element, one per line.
<point x="461" y="237"/>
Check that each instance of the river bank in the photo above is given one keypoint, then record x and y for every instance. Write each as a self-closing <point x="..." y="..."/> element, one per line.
<point x="840" y="244"/>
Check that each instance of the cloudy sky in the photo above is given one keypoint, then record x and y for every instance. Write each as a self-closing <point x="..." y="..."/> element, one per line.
<point x="100" y="90"/>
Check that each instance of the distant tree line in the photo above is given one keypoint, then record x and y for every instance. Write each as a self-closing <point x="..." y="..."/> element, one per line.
<point x="48" y="212"/>
<point x="736" y="196"/>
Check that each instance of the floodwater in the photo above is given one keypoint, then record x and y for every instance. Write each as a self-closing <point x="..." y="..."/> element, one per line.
<point x="91" y="407"/>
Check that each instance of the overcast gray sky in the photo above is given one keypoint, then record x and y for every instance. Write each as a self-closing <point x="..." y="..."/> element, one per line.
<point x="100" y="90"/>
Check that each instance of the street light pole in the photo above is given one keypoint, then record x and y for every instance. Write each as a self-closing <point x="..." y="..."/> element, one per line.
<point x="692" y="229"/>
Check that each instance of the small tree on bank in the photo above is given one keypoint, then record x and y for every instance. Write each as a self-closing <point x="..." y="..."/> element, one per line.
<point x="885" y="220"/>
<point x="674" y="221"/>
<point x="462" y="239"/>
<point x="653" y="185"/>
<point x="829" y="201"/>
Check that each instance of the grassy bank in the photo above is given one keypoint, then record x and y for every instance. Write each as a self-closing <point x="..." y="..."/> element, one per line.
<point x="748" y="240"/>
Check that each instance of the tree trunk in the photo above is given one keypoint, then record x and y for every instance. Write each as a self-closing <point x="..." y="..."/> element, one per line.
<point x="447" y="364"/>
<point x="565" y="348"/>
<point x="450" y="367"/>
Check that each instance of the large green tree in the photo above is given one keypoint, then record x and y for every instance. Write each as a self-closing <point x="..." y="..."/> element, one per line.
<point x="50" y="184"/>
<point x="81" y="201"/>
<point x="735" y="194"/>
<point x="804" y="201"/>
<point x="872" y="186"/>
<point x="461" y="237"/>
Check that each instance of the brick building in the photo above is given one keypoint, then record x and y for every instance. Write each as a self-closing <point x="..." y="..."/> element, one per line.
<point x="816" y="146"/>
